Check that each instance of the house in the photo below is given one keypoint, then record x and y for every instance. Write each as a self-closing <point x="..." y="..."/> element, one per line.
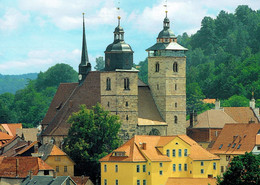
<point x="10" y="128"/>
<point x="82" y="180"/>
<point x="206" y="127"/>
<point x="236" y="139"/>
<point x="13" y="170"/>
<point x="57" y="159"/>
<point x="152" y="160"/>
<point x="157" y="108"/>
<point x="41" y="180"/>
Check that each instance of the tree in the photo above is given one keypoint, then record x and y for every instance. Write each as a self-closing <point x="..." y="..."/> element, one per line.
<point x="93" y="135"/>
<point x="243" y="170"/>
<point x="236" y="101"/>
<point x="100" y="64"/>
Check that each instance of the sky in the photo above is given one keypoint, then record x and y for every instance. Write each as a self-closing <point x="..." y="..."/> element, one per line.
<point x="37" y="34"/>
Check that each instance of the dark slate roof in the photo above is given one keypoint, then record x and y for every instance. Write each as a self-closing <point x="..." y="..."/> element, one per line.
<point x="120" y="46"/>
<point x="13" y="146"/>
<point x="47" y="180"/>
<point x="45" y="150"/>
<point x="65" y="102"/>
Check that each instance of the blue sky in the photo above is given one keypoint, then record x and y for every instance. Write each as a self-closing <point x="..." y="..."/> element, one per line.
<point x="37" y="34"/>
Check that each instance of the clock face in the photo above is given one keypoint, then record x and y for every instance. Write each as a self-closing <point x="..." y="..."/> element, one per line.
<point x="80" y="77"/>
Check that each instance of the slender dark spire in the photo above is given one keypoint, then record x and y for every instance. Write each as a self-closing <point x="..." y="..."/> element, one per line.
<point x="84" y="54"/>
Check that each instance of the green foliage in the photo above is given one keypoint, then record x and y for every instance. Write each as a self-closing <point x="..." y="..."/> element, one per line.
<point x="100" y="64"/>
<point x="235" y="101"/>
<point x="60" y="73"/>
<point x="243" y="170"/>
<point x="12" y="83"/>
<point x="143" y="70"/>
<point x="93" y="134"/>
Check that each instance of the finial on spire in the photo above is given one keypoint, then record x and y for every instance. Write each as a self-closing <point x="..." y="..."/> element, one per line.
<point x="166" y="6"/>
<point x="118" y="12"/>
<point x="118" y="17"/>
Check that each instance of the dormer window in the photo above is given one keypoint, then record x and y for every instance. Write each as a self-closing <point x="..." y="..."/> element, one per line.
<point x="119" y="154"/>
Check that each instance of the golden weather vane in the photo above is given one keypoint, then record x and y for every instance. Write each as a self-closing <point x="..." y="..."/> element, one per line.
<point x="166" y="6"/>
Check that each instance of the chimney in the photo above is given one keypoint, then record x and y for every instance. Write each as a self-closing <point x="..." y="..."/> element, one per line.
<point x="217" y="104"/>
<point x="54" y="174"/>
<point x="30" y="174"/>
<point x="144" y="146"/>
<point x="252" y="103"/>
<point x="191" y="119"/>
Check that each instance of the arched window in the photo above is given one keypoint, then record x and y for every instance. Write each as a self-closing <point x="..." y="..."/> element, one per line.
<point x="126" y="84"/>
<point x="126" y="104"/>
<point x="155" y="132"/>
<point x="175" y="67"/>
<point x="175" y="119"/>
<point x="108" y="84"/>
<point x="127" y="117"/>
<point x="175" y="87"/>
<point x="175" y="104"/>
<point x="157" y="67"/>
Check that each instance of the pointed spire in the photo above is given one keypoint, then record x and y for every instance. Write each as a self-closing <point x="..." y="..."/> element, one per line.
<point x="84" y="54"/>
<point x="118" y="20"/>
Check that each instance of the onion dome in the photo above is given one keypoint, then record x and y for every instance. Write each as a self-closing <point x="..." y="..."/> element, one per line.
<point x="118" y="55"/>
<point x="166" y="32"/>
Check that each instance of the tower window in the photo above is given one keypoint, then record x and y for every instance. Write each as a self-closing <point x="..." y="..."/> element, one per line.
<point x="108" y="84"/>
<point x="126" y="84"/>
<point x="175" y="67"/>
<point x="108" y="104"/>
<point x="127" y="117"/>
<point x="126" y="104"/>
<point x="157" y="86"/>
<point x="175" y="119"/>
<point x="175" y="87"/>
<point x="175" y="104"/>
<point x="157" y="67"/>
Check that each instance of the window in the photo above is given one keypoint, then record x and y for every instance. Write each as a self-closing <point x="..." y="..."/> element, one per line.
<point x="202" y="171"/>
<point x="158" y="87"/>
<point x="239" y="146"/>
<point x="137" y="168"/>
<point x="185" y="152"/>
<point x="126" y="84"/>
<point x="108" y="84"/>
<point x="175" y="67"/>
<point x="126" y="104"/>
<point x="179" y="167"/>
<point x="227" y="157"/>
<point x="173" y="153"/>
<point x="175" y="104"/>
<point x="157" y="67"/>
<point x="161" y="172"/>
<point x="220" y="146"/>
<point x="57" y="158"/>
<point x="179" y="152"/>
<point x="105" y="182"/>
<point x="185" y="167"/>
<point x="201" y="163"/>
<point x="65" y="168"/>
<point x="116" y="168"/>
<point x="222" y="169"/>
<point x="234" y="145"/>
<point x="57" y="169"/>
<point x="105" y="168"/>
<point x="258" y="148"/>
<point x="160" y="164"/>
<point x="116" y="182"/>
<point x="214" y="166"/>
<point x="126" y="117"/>
<point x="175" y="119"/>
<point x="175" y="87"/>
<point x="108" y="104"/>
<point x="229" y="144"/>
<point x="168" y="153"/>
<point x="144" y="182"/>
<point x="46" y="172"/>
<point x="138" y="182"/>
<point x="144" y="168"/>
<point x="174" y="167"/>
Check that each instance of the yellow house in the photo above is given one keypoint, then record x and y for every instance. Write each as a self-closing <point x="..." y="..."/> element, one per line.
<point x="151" y="160"/>
<point x="57" y="159"/>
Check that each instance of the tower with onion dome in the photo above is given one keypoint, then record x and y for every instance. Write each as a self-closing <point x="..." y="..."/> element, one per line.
<point x="167" y="79"/>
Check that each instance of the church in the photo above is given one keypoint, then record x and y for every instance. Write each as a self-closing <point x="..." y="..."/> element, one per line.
<point x="156" y="108"/>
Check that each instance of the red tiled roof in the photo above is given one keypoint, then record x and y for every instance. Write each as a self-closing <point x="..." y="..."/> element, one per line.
<point x="4" y="136"/>
<point x="241" y="114"/>
<point x="68" y="101"/>
<point x="79" y="180"/>
<point x="26" y="148"/>
<point x="134" y="150"/>
<point x="20" y="166"/>
<point x="234" y="135"/>
<point x="11" y="127"/>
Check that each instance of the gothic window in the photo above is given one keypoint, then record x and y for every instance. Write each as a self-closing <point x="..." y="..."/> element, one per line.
<point x="154" y="132"/>
<point x="157" y="67"/>
<point x="108" y="84"/>
<point x="175" y="67"/>
<point x="126" y="84"/>
<point x="175" y="119"/>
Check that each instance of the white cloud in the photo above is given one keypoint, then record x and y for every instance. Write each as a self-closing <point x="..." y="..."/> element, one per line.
<point x="12" y="19"/>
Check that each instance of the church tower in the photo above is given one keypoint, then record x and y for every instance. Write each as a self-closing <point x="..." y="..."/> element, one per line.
<point x="84" y="66"/>
<point x="119" y="88"/>
<point x="167" y="79"/>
